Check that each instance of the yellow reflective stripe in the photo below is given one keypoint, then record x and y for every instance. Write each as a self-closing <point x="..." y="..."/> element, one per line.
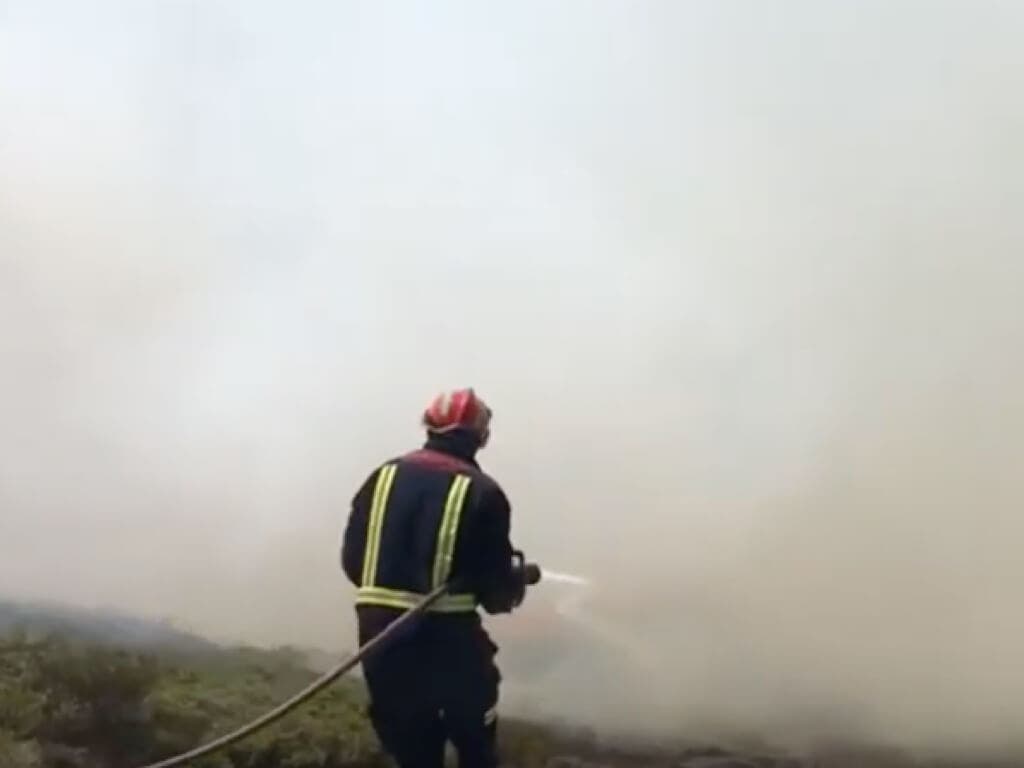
<point x="448" y="529"/>
<point x="396" y="598"/>
<point x="381" y="490"/>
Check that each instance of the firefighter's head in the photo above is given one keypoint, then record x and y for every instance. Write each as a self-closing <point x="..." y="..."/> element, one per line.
<point x="459" y="411"/>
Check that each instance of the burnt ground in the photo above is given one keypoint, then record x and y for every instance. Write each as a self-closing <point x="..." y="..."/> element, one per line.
<point x="527" y="746"/>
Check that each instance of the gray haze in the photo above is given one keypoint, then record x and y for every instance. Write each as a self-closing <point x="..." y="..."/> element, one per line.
<point x="743" y="282"/>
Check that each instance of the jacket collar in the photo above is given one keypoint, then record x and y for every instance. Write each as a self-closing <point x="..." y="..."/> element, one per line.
<point x="461" y="446"/>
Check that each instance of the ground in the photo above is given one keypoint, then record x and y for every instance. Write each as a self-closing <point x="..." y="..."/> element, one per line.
<point x="68" y="701"/>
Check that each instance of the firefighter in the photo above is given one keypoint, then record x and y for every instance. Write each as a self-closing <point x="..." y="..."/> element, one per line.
<point x="419" y="520"/>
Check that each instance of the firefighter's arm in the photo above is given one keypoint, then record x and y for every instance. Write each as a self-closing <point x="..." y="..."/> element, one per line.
<point x="501" y="587"/>
<point x="354" y="540"/>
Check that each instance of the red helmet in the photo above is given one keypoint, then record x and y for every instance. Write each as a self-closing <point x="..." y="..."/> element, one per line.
<point x="458" y="409"/>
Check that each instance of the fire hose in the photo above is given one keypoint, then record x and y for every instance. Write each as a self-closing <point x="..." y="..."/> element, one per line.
<point x="531" y="574"/>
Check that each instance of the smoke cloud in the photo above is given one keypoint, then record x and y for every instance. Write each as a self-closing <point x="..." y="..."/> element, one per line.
<point x="741" y="281"/>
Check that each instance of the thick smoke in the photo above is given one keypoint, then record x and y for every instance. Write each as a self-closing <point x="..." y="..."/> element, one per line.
<point x="741" y="281"/>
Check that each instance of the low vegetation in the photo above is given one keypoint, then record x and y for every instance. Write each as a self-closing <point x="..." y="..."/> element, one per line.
<point x="65" y="703"/>
<point x="74" y="701"/>
<point x="69" y="703"/>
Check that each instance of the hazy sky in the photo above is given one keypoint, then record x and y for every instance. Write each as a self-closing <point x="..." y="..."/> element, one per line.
<point x="742" y="281"/>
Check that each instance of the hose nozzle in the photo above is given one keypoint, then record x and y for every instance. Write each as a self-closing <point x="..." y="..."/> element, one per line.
<point x="531" y="573"/>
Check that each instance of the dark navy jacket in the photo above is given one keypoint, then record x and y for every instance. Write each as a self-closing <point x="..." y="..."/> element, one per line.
<point x="482" y="561"/>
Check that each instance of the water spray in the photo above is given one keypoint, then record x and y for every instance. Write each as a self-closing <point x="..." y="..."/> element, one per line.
<point x="566" y="578"/>
<point x="574" y="607"/>
<point x="570" y="605"/>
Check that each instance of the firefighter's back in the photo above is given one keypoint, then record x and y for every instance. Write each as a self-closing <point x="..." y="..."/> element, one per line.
<point x="427" y="520"/>
<point x="420" y="522"/>
<point x="412" y="529"/>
